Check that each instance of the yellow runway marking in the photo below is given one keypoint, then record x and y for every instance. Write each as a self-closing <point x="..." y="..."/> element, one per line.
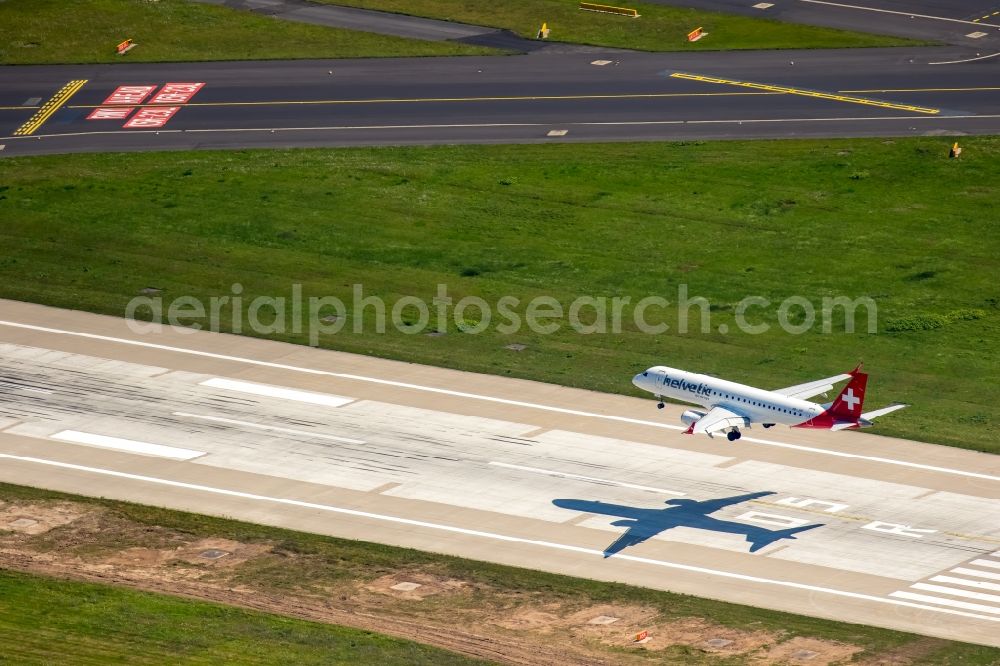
<point x="806" y="93"/>
<point x="50" y="107"/>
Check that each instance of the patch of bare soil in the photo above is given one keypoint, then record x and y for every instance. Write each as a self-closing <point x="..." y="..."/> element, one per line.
<point x="32" y="519"/>
<point x="811" y="651"/>
<point x="416" y="585"/>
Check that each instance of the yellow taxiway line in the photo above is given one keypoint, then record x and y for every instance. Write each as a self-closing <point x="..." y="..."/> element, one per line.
<point x="806" y="93"/>
<point x="50" y="107"/>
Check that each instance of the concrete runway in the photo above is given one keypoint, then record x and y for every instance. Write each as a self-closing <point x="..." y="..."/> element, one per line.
<point x="906" y="534"/>
<point x="579" y="97"/>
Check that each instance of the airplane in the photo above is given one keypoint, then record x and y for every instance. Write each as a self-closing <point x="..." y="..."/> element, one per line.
<point x="733" y="406"/>
<point x="643" y="524"/>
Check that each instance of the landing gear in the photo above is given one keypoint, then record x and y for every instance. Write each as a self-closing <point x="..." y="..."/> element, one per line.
<point x="768" y="425"/>
<point x="733" y="435"/>
<point x="660" y="404"/>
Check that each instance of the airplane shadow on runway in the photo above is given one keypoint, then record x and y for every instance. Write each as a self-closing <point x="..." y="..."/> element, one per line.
<point x="643" y="524"/>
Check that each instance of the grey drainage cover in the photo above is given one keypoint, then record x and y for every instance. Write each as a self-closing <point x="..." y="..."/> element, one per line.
<point x="604" y="619"/>
<point x="804" y="655"/>
<point x="718" y="642"/>
<point x="405" y="587"/>
<point x="213" y="554"/>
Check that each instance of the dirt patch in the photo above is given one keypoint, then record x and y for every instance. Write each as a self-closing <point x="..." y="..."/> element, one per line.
<point x="811" y="651"/>
<point x="708" y="637"/>
<point x="32" y="519"/>
<point x="543" y="620"/>
<point x="415" y="585"/>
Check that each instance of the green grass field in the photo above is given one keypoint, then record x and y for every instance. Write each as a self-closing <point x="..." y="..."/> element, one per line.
<point x="47" y="621"/>
<point x="659" y="28"/>
<point x="86" y="31"/>
<point x="892" y="220"/>
<point x="35" y="612"/>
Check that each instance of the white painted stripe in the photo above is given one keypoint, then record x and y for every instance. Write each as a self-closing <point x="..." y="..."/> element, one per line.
<point x="968" y="583"/>
<point x="955" y="62"/>
<point x="324" y="399"/>
<point x="476" y="396"/>
<point x="625" y="123"/>
<point x="979" y="574"/>
<point x="956" y="592"/>
<point x="992" y="564"/>
<point x="261" y="426"/>
<point x="130" y="445"/>
<point x="890" y="11"/>
<point x="493" y="535"/>
<point x="953" y="603"/>
<point x="996" y="554"/>
<point x="567" y="475"/>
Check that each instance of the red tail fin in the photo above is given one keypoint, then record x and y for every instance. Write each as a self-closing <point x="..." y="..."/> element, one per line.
<point x="848" y="404"/>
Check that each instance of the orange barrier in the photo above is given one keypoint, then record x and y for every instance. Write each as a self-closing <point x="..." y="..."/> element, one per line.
<point x="642" y="635"/>
<point x="125" y="47"/>
<point x="696" y="34"/>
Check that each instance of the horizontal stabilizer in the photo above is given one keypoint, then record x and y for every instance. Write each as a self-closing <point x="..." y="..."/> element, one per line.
<point x="882" y="412"/>
<point x="810" y="389"/>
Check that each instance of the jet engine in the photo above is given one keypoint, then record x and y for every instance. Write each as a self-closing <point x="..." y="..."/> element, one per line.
<point x="691" y="416"/>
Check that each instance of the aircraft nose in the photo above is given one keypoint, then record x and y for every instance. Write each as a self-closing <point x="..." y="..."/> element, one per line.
<point x="641" y="379"/>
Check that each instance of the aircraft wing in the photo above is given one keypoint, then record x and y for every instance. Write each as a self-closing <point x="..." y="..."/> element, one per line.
<point x="810" y="389"/>
<point x="719" y="418"/>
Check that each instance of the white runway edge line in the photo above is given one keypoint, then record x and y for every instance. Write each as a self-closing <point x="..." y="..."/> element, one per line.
<point x="128" y="445"/>
<point x="623" y="123"/>
<point x="490" y="535"/>
<point x="890" y="11"/>
<point x="580" y="477"/>
<point x="325" y="399"/>
<point x="262" y="426"/>
<point x="475" y="396"/>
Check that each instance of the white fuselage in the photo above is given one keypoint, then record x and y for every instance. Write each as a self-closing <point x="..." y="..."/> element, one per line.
<point x="758" y="405"/>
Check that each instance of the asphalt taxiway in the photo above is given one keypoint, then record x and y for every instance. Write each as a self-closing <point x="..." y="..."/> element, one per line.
<point x="896" y="534"/>
<point x="532" y="98"/>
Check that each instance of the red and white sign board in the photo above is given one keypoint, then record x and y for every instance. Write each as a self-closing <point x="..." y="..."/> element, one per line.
<point x="176" y="93"/>
<point x="113" y="113"/>
<point x="151" y="117"/>
<point x="129" y="94"/>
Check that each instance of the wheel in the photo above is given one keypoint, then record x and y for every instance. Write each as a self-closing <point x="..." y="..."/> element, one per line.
<point x="738" y="434"/>
<point x="660" y="405"/>
<point x="768" y="425"/>
<point x="732" y="435"/>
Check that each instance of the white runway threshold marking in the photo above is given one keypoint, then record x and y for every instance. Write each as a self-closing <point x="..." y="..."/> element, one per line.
<point x="262" y="426"/>
<point x="507" y="538"/>
<point x="476" y="396"/>
<point x="324" y="399"/>
<point x="580" y="477"/>
<point x="128" y="445"/>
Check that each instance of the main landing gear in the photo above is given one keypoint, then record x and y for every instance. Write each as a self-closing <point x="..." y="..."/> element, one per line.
<point x="768" y="425"/>
<point x="660" y="404"/>
<point x="733" y="435"/>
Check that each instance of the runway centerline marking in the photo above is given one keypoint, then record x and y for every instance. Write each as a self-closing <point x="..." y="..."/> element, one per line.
<point x="415" y="100"/>
<point x="496" y="536"/>
<point x="281" y="392"/>
<point x="262" y="426"/>
<point x="806" y="93"/>
<point x="485" y="398"/>
<point x="50" y="107"/>
<point x="580" y="477"/>
<point x="890" y="11"/>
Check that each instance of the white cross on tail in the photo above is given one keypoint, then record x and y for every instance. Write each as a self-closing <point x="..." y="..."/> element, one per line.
<point x="850" y="399"/>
